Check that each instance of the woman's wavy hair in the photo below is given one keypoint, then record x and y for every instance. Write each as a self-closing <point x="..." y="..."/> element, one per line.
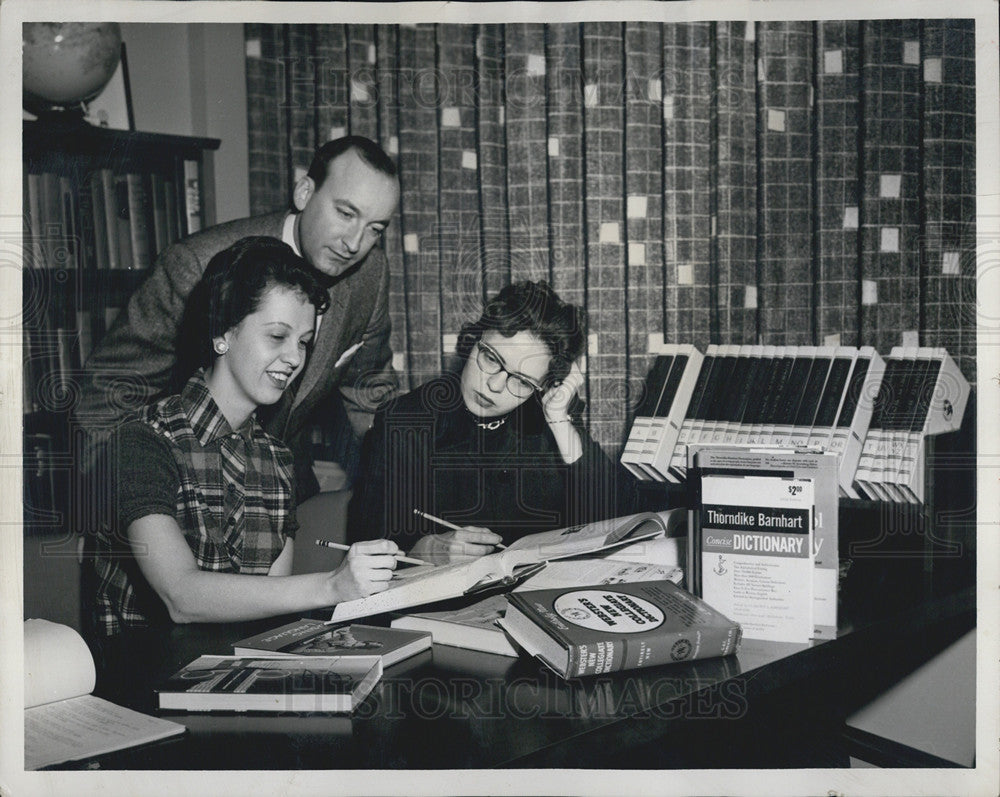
<point x="233" y="285"/>
<point x="531" y="307"/>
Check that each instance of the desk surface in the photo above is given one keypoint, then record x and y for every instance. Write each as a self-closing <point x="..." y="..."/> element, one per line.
<point x="451" y="708"/>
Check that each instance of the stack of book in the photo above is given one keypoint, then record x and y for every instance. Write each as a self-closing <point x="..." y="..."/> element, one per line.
<point x="306" y="665"/>
<point x="843" y="399"/>
<point x="111" y="220"/>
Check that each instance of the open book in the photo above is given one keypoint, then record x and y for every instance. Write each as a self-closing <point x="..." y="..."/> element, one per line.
<point x="62" y="720"/>
<point x="521" y="559"/>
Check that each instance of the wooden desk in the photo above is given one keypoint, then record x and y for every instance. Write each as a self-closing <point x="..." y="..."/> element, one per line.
<point x="450" y="708"/>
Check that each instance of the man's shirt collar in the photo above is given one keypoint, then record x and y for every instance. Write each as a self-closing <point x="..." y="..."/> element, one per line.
<point x="288" y="232"/>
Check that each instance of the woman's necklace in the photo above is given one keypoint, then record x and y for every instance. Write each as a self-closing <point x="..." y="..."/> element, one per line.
<point x="496" y="423"/>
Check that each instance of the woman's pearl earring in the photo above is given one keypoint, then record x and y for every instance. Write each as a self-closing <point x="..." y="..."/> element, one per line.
<point x="221" y="347"/>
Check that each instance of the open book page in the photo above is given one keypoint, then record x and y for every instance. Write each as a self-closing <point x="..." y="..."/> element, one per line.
<point x="62" y="720"/>
<point x="586" y="538"/>
<point x="590" y="572"/>
<point x="57" y="663"/>
<point x="86" y="726"/>
<point x="420" y="585"/>
<point x="663" y="551"/>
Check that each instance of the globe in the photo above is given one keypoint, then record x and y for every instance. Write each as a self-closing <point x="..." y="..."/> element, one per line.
<point x="67" y="63"/>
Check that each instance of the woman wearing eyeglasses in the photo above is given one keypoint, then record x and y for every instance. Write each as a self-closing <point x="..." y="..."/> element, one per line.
<point x="490" y="447"/>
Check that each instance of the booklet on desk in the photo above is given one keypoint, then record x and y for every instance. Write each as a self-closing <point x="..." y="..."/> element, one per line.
<point x="524" y="557"/>
<point x="308" y="637"/>
<point x="578" y="631"/>
<point x="62" y="720"/>
<point x="271" y="683"/>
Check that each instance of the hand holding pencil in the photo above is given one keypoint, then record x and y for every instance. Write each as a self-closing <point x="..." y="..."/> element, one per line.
<point x="459" y="544"/>
<point x="367" y="569"/>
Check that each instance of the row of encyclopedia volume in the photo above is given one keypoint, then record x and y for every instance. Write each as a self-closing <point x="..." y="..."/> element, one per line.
<point x="106" y="220"/>
<point x="873" y="413"/>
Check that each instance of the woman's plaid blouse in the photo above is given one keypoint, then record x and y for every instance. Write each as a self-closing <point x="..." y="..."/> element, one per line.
<point x="233" y="498"/>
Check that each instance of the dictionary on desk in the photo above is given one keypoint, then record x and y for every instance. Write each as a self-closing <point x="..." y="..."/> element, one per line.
<point x="762" y="543"/>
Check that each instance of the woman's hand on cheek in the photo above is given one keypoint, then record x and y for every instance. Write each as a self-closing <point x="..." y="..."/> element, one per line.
<point x="556" y="400"/>
<point x="461" y="545"/>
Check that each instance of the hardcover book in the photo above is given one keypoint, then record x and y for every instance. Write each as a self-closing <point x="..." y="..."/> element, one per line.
<point x="590" y="630"/>
<point x="271" y="683"/>
<point x="642" y="423"/>
<point x="308" y="637"/>
<point x="472" y="627"/>
<point x="522" y="558"/>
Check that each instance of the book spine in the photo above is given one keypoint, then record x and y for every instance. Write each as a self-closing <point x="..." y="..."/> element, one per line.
<point x="100" y="223"/>
<point x="123" y="222"/>
<point x="725" y="408"/>
<point x="871" y="448"/>
<point x="658" y="419"/>
<point x="158" y="200"/>
<point x="712" y="431"/>
<point x="64" y="357"/>
<point x="856" y="414"/>
<point x="776" y="394"/>
<point x="915" y="373"/>
<point x="903" y="396"/>
<point x="618" y="653"/>
<point x="71" y="233"/>
<point x="809" y="406"/>
<point x="913" y="435"/>
<point x="36" y="225"/>
<point x="110" y="205"/>
<point x="655" y="382"/>
<point x="772" y="361"/>
<point x="51" y="229"/>
<point x="834" y="392"/>
<point x="192" y="196"/>
<point x="793" y="395"/>
<point x="681" y="392"/>
<point x="748" y="371"/>
<point x="170" y="209"/>
<point x="754" y="390"/>
<point x="139" y="227"/>
<point x="678" y="461"/>
<point x="85" y="332"/>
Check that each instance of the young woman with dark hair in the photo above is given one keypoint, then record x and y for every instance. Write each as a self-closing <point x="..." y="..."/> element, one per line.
<point x="492" y="447"/>
<point x="205" y="497"/>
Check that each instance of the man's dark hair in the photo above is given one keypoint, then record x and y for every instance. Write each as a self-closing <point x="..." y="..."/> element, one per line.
<point x="233" y="285"/>
<point x="370" y="152"/>
<point x="532" y="307"/>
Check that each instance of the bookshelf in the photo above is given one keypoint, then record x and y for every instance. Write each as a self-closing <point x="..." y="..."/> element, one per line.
<point x="99" y="205"/>
<point x="903" y="426"/>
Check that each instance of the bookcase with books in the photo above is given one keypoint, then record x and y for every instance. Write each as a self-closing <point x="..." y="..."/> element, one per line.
<point x="901" y="425"/>
<point x="98" y="206"/>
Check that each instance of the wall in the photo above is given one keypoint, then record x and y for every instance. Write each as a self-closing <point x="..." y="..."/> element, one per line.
<point x="203" y="93"/>
<point x="785" y="183"/>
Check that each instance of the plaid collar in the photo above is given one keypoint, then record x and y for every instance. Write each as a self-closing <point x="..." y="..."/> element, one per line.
<point x="207" y="420"/>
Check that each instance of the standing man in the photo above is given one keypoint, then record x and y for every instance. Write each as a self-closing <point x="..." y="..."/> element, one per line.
<point x="341" y="209"/>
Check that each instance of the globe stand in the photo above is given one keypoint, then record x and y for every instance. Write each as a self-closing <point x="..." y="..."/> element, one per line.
<point x="62" y="118"/>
